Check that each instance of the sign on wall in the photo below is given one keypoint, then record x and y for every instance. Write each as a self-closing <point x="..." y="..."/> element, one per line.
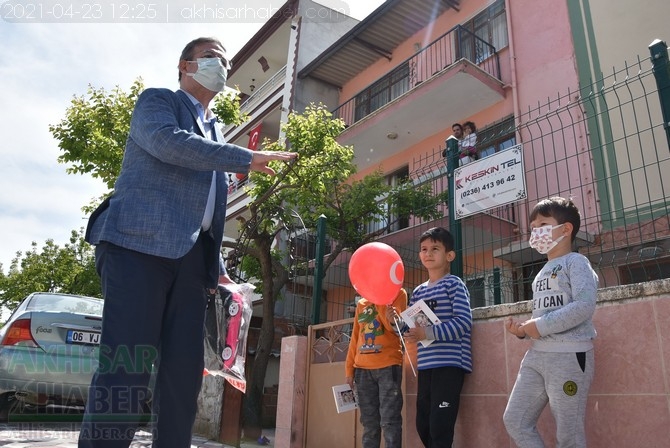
<point x="490" y="182"/>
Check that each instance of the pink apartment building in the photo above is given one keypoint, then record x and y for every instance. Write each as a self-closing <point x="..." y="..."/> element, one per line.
<point x="561" y="79"/>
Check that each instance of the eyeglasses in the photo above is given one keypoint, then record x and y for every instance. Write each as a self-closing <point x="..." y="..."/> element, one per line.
<point x="227" y="64"/>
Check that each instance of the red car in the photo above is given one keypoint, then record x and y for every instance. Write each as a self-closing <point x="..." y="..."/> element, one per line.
<point x="234" y="307"/>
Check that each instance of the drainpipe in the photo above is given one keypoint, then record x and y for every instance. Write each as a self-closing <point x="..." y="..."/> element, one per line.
<point x="456" y="267"/>
<point x="515" y="94"/>
<point x="318" y="269"/>
<point x="290" y="79"/>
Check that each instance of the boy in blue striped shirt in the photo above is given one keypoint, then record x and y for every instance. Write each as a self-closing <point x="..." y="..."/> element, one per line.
<point x="443" y="363"/>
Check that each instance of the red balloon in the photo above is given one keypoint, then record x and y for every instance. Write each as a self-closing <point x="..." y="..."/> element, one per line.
<point x="376" y="272"/>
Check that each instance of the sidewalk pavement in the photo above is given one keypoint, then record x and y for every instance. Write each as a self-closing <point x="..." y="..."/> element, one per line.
<point x="65" y="436"/>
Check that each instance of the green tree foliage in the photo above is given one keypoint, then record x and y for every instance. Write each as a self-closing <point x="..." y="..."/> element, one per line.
<point x="68" y="269"/>
<point x="227" y="108"/>
<point x="93" y="134"/>
<point x="315" y="184"/>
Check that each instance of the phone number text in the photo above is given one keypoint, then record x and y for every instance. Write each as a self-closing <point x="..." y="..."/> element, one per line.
<point x="495" y="183"/>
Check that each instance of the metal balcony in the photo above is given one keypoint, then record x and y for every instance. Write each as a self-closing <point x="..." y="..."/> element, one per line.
<point x="449" y="80"/>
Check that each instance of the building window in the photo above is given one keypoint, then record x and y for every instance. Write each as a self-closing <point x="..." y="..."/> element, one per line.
<point x="296" y="306"/>
<point x="392" y="222"/>
<point x="398" y="222"/>
<point x="490" y="288"/>
<point x="489" y="26"/>
<point x="496" y="137"/>
<point x="645" y="271"/>
<point x="303" y="246"/>
<point x="382" y="92"/>
<point x="477" y="289"/>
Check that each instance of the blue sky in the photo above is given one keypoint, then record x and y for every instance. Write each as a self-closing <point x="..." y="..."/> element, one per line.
<point x="42" y="66"/>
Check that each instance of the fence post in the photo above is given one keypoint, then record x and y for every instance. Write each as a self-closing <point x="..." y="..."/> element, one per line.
<point x="318" y="269"/>
<point x="659" y="57"/>
<point x="454" y="224"/>
<point x="497" y="293"/>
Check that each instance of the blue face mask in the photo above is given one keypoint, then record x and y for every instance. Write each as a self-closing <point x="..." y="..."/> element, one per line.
<point x="211" y="74"/>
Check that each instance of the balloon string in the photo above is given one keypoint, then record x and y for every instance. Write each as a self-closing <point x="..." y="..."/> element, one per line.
<point x="402" y="339"/>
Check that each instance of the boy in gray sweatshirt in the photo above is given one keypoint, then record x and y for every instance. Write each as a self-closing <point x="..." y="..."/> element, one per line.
<point x="558" y="368"/>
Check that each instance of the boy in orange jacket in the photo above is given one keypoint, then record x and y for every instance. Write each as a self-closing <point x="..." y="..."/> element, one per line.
<point x="374" y="370"/>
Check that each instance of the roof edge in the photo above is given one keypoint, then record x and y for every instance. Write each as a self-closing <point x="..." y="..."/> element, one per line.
<point x="351" y="35"/>
<point x="287" y="11"/>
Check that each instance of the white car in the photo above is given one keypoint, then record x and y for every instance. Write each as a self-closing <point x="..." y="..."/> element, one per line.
<point x="49" y="352"/>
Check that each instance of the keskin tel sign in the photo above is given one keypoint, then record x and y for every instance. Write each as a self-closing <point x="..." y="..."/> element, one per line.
<point x="490" y="182"/>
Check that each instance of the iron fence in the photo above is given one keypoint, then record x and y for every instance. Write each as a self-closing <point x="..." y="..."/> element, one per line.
<point x="604" y="146"/>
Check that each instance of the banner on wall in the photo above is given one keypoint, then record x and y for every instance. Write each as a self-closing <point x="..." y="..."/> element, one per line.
<point x="490" y="182"/>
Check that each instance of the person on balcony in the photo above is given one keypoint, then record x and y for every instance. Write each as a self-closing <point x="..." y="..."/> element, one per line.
<point x="457" y="131"/>
<point x="468" y="152"/>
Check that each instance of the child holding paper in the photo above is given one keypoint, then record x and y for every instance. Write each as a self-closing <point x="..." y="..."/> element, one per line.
<point x="443" y="364"/>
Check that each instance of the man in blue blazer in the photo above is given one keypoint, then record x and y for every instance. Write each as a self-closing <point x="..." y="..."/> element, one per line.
<point x="158" y="239"/>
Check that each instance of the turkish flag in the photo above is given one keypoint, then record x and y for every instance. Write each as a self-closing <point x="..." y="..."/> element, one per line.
<point x="254" y="137"/>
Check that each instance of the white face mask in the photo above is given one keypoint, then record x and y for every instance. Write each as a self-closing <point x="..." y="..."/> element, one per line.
<point x="542" y="239"/>
<point x="211" y="74"/>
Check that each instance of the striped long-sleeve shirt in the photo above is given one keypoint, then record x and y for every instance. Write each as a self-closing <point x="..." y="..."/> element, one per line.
<point x="450" y="301"/>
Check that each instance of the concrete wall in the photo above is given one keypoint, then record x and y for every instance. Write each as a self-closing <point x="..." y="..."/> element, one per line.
<point x="320" y="27"/>
<point x="611" y="30"/>
<point x="629" y="401"/>
<point x="629" y="398"/>
<point x="208" y="418"/>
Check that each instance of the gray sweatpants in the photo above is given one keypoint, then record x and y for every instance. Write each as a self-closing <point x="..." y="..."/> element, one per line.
<point x="560" y="379"/>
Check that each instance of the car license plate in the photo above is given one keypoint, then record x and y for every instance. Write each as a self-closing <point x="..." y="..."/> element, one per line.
<point x="82" y="337"/>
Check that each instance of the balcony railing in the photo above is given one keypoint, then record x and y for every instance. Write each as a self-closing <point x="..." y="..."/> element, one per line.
<point x="268" y="87"/>
<point x="458" y="43"/>
<point x="260" y="94"/>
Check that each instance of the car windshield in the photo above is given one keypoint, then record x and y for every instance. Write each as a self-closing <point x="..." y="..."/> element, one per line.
<point x="61" y="303"/>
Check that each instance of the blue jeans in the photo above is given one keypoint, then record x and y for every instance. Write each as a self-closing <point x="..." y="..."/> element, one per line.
<point x="380" y="405"/>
